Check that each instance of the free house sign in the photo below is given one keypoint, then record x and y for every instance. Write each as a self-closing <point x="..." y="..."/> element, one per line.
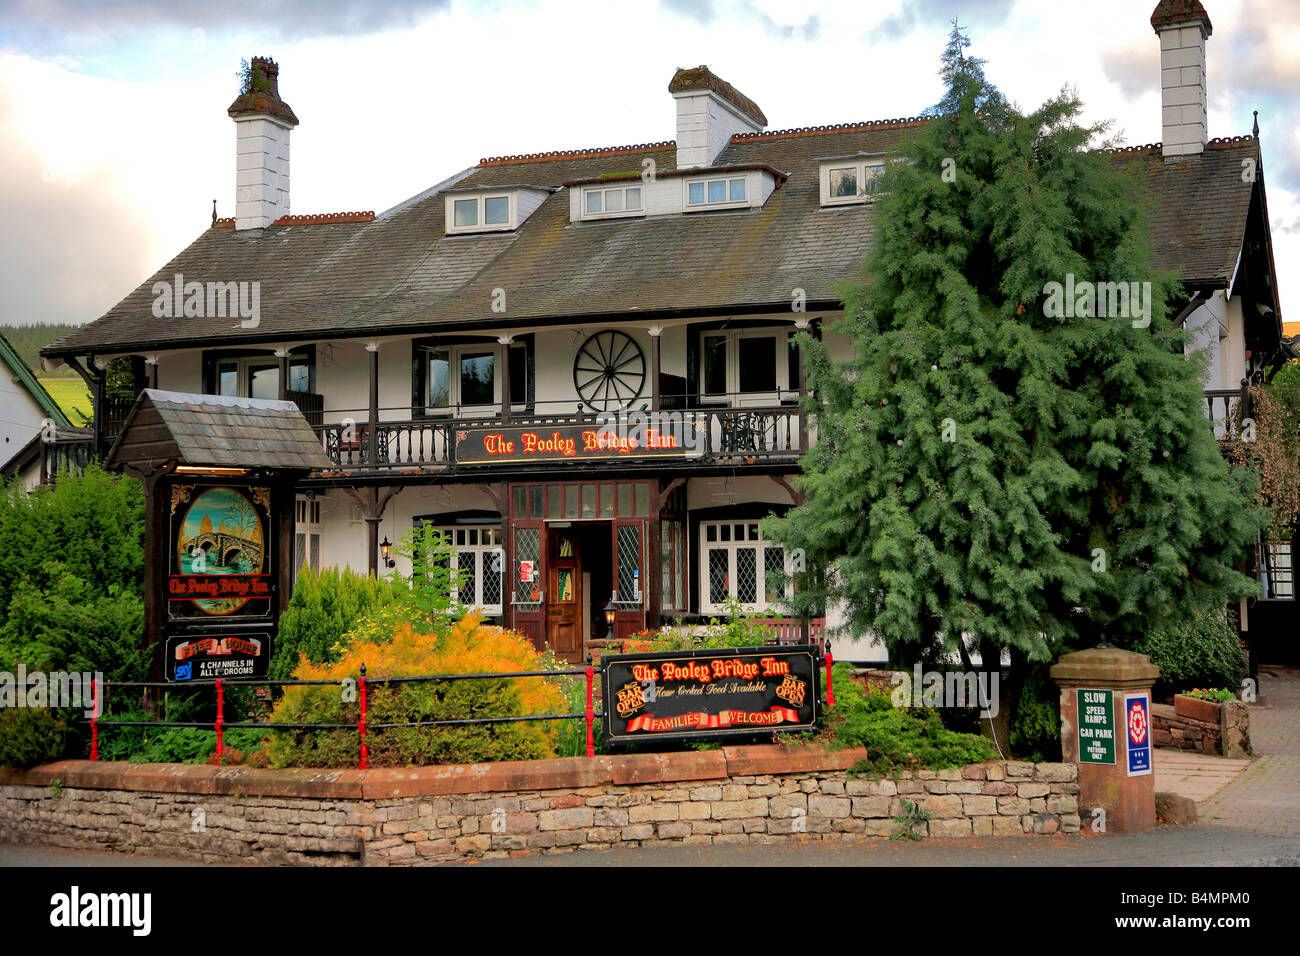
<point x="709" y="692"/>
<point x="220" y="582"/>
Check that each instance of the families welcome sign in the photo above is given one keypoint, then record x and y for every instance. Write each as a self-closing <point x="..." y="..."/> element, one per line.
<point x="709" y="692"/>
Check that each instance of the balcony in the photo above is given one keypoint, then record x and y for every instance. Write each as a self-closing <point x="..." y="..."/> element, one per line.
<point x="1223" y="407"/>
<point x="728" y="434"/>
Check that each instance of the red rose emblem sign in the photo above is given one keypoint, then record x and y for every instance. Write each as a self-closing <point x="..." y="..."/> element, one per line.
<point x="1137" y="723"/>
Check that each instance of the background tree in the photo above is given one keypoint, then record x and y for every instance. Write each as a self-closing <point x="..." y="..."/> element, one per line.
<point x="986" y="465"/>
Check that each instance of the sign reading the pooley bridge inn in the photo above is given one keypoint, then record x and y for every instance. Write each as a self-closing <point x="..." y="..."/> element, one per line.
<point x="594" y="441"/>
<point x="709" y="692"/>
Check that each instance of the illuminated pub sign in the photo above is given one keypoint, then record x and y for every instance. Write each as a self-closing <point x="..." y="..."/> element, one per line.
<point x="597" y="441"/>
<point x="220" y="581"/>
<point x="709" y="692"/>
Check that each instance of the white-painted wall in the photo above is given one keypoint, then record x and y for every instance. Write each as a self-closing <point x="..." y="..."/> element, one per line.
<point x="20" y="416"/>
<point x="705" y="124"/>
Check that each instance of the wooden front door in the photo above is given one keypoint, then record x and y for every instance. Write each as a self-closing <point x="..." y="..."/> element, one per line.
<point x="564" y="594"/>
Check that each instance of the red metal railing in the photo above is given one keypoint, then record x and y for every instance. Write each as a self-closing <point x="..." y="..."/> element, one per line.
<point x="362" y="726"/>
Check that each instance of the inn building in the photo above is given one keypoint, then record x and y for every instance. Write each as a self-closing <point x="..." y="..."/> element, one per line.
<point x="480" y="357"/>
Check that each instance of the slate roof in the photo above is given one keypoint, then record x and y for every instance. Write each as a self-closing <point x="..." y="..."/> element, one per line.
<point x="1199" y="207"/>
<point x="219" y="431"/>
<point x="401" y="273"/>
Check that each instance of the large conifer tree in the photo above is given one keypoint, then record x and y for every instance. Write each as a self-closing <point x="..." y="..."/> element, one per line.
<point x="988" y="462"/>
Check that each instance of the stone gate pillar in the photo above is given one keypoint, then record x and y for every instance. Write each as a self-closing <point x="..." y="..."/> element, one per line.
<point x="1106" y="730"/>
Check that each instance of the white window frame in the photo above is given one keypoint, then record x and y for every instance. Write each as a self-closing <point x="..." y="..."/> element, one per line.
<point x="454" y="355"/>
<point x="244" y="368"/>
<point x="306" y="534"/>
<point x="860" y="165"/>
<point x="727" y="203"/>
<point x="623" y="213"/>
<point x="486" y="544"/>
<point x="480" y="198"/>
<point x="734" y="336"/>
<point x="1275" y="571"/>
<point x="761" y="546"/>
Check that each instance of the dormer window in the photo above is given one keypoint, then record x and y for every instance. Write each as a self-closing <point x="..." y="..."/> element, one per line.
<point x="491" y="210"/>
<point x="851" y="180"/>
<point x="717" y="193"/>
<point x="601" y="202"/>
<point x="480" y="213"/>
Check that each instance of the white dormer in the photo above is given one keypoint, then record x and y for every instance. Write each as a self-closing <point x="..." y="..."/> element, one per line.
<point x="491" y="208"/>
<point x="850" y="179"/>
<point x="673" y="193"/>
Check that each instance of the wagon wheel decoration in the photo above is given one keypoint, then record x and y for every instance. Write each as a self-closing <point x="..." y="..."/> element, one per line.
<point x="609" y="370"/>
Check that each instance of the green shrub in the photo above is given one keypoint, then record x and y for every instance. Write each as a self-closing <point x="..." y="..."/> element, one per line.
<point x="325" y="606"/>
<point x="90" y="526"/>
<point x="468" y="647"/>
<point x="896" y="738"/>
<point x="71" y="574"/>
<point x="30" y="736"/>
<point x="901" y="738"/>
<point x="1036" y="724"/>
<point x="1202" y="650"/>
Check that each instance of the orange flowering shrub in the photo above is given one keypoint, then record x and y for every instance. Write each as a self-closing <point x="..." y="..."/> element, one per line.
<point x="470" y="647"/>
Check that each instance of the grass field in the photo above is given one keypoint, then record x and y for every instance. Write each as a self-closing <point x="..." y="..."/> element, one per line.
<point x="71" y="394"/>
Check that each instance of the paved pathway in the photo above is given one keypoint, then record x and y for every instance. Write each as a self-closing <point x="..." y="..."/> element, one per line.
<point x="1194" y="775"/>
<point x="1265" y="798"/>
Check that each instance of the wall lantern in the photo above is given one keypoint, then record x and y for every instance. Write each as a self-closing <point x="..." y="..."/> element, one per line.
<point x="386" y="552"/>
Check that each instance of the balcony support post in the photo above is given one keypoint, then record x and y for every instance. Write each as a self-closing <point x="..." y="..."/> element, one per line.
<point x="802" y="325"/>
<point x="372" y="433"/>
<point x="372" y="503"/>
<point x="283" y="356"/>
<point x="504" y="342"/>
<point x="655" y="332"/>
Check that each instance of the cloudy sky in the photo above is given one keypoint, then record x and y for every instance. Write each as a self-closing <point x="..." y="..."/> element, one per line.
<point x="116" y="139"/>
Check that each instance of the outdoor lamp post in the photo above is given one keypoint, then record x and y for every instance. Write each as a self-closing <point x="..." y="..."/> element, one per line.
<point x="610" y="609"/>
<point x="386" y="552"/>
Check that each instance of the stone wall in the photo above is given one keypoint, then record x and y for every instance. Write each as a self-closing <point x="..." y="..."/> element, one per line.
<point x="736" y="795"/>
<point x="1229" y="736"/>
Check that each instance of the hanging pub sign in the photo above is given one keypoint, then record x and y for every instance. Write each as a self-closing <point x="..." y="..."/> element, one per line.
<point x="219" y="474"/>
<point x="672" y="438"/>
<point x="220" y="583"/>
<point x="221" y="553"/>
<point x="709" y="692"/>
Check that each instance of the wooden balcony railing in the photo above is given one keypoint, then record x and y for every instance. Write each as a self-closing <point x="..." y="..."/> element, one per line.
<point x="740" y="435"/>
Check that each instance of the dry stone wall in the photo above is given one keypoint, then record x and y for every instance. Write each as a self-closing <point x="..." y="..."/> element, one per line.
<point x="737" y="795"/>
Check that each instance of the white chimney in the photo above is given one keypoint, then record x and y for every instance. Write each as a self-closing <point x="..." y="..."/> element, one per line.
<point x="709" y="111"/>
<point x="1183" y="26"/>
<point x="263" y="122"/>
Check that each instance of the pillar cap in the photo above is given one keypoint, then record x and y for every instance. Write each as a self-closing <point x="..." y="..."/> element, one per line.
<point x="1105" y="667"/>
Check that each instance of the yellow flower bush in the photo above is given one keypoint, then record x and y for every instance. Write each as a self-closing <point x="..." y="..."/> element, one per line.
<point x="469" y="647"/>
